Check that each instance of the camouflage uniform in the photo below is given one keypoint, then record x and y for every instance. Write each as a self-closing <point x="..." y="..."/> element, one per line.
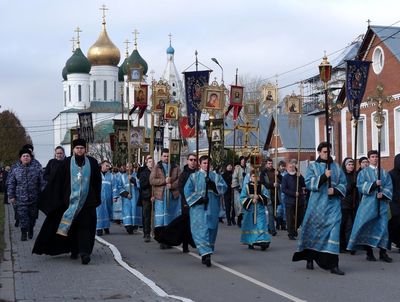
<point x="24" y="184"/>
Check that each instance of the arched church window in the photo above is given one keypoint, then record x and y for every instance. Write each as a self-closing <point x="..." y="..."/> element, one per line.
<point x="94" y="90"/>
<point x="105" y="90"/>
<point x="79" y="93"/>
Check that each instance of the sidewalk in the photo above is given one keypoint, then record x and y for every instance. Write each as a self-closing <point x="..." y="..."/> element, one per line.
<point x="27" y="277"/>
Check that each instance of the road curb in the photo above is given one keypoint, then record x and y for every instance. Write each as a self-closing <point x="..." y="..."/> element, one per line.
<point x="7" y="286"/>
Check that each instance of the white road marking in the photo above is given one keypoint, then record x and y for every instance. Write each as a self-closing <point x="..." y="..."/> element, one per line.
<point x="251" y="280"/>
<point x="158" y="290"/>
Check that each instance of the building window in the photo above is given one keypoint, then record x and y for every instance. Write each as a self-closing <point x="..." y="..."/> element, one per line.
<point x="65" y="98"/>
<point x="384" y="134"/>
<point x="69" y="93"/>
<point x="397" y="130"/>
<point x="361" y="137"/>
<point x="94" y="90"/>
<point x="115" y="91"/>
<point x="105" y="90"/>
<point x="79" y="93"/>
<point x="378" y="59"/>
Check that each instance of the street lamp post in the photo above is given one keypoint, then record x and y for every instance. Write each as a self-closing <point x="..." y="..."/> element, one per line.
<point x="222" y="69"/>
<point x="325" y="72"/>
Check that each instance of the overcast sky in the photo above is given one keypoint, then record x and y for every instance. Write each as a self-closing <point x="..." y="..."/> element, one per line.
<point x="259" y="37"/>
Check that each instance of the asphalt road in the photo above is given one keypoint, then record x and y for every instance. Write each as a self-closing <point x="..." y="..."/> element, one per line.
<point x="239" y="274"/>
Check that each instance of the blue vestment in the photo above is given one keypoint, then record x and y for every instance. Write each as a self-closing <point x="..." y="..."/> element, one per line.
<point x="320" y="229"/>
<point x="166" y="210"/>
<point x="117" y="205"/>
<point x="254" y="231"/>
<point x="131" y="212"/>
<point x="204" y="219"/>
<point x="103" y="210"/>
<point x="370" y="228"/>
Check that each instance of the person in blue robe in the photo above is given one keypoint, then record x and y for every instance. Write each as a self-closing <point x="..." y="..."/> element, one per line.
<point x="370" y="227"/>
<point x="319" y="238"/>
<point x="103" y="210"/>
<point x="203" y="196"/>
<point x="164" y="178"/>
<point x="117" y="203"/>
<point x="131" y="212"/>
<point x="254" y="226"/>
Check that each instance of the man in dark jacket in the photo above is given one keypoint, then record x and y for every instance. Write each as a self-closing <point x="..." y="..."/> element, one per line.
<point x="188" y="169"/>
<point x="145" y="196"/>
<point x="293" y="193"/>
<point x="348" y="203"/>
<point x="394" y="222"/>
<point x="70" y="225"/>
<point x="267" y="178"/>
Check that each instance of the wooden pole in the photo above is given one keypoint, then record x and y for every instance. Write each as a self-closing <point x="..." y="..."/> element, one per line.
<point x="298" y="174"/>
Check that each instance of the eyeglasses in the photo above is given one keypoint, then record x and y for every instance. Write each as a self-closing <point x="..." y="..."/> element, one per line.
<point x="191" y="159"/>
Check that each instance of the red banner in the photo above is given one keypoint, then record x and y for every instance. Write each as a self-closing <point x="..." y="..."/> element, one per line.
<point x="186" y="131"/>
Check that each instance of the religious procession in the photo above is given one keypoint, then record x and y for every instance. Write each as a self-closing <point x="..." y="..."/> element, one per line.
<point x="183" y="158"/>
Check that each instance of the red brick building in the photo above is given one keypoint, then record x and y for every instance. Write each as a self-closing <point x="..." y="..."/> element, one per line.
<point x="381" y="46"/>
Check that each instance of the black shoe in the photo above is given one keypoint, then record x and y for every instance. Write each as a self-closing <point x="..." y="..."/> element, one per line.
<point x="16" y="224"/>
<point x="273" y="233"/>
<point x="74" y="256"/>
<point x="250" y="247"/>
<point x="291" y="237"/>
<point x="310" y="264"/>
<point x="352" y="253"/>
<point x="24" y="236"/>
<point x="337" y="271"/>
<point x="30" y="233"/>
<point x="85" y="259"/>
<point x="383" y="256"/>
<point x="207" y="260"/>
<point x="221" y="220"/>
<point x="164" y="246"/>
<point x="147" y="238"/>
<point x="185" y="247"/>
<point x="233" y="221"/>
<point x="129" y="229"/>
<point x="107" y="231"/>
<point x="371" y="256"/>
<point x="264" y="245"/>
<point x="99" y="232"/>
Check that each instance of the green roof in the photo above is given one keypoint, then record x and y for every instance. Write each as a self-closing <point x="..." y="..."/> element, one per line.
<point x="78" y="63"/>
<point x="136" y="59"/>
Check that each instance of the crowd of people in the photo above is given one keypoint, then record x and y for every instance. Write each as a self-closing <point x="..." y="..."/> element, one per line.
<point x="332" y="209"/>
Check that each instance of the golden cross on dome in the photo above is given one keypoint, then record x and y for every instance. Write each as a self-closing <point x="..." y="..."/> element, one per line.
<point x="78" y="42"/>
<point x="73" y="40"/>
<point x="126" y="42"/>
<point x="135" y="34"/>
<point x="104" y="8"/>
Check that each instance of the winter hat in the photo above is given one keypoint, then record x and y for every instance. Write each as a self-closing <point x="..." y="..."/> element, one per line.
<point x="25" y="151"/>
<point x="78" y="142"/>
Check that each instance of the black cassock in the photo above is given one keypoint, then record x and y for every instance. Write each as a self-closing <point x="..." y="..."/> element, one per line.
<point x="54" y="202"/>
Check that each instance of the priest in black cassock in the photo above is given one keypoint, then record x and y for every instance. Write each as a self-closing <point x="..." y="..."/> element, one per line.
<point x="70" y="206"/>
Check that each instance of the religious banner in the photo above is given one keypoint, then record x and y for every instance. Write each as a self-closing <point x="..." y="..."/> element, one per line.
<point x="158" y="138"/>
<point x="137" y="137"/>
<point x="269" y="93"/>
<point x="194" y="81"/>
<point x="215" y="133"/>
<point x="74" y="134"/>
<point x="293" y="107"/>
<point x="112" y="141"/>
<point x="171" y="112"/>
<point x="160" y="97"/>
<point x="356" y="81"/>
<point x="120" y="153"/>
<point x="252" y="109"/>
<point x="175" y="150"/>
<point x="235" y="101"/>
<point x="185" y="130"/>
<point x="140" y="99"/>
<point x="86" y="126"/>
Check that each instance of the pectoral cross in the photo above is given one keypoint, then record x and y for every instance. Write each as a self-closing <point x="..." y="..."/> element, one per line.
<point x="79" y="175"/>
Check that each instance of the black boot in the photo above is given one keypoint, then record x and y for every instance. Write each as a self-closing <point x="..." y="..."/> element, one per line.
<point x="85" y="258"/>
<point x="30" y="233"/>
<point x="206" y="260"/>
<point x="239" y="220"/>
<point x="337" y="271"/>
<point x="129" y="229"/>
<point x="370" y="254"/>
<point x="24" y="235"/>
<point x="99" y="232"/>
<point x="16" y="224"/>
<point x="185" y="247"/>
<point x="383" y="256"/>
<point x="310" y="264"/>
<point x="107" y="231"/>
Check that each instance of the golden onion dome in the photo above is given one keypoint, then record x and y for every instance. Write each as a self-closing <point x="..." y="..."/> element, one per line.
<point x="104" y="52"/>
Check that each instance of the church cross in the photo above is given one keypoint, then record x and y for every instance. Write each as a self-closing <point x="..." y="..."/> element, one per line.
<point x="170" y="38"/>
<point x="104" y="9"/>
<point x="369" y="22"/>
<point x="78" y="42"/>
<point x="135" y="34"/>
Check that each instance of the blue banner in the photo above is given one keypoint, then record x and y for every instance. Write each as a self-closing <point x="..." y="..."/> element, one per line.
<point x="194" y="81"/>
<point x="356" y="81"/>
